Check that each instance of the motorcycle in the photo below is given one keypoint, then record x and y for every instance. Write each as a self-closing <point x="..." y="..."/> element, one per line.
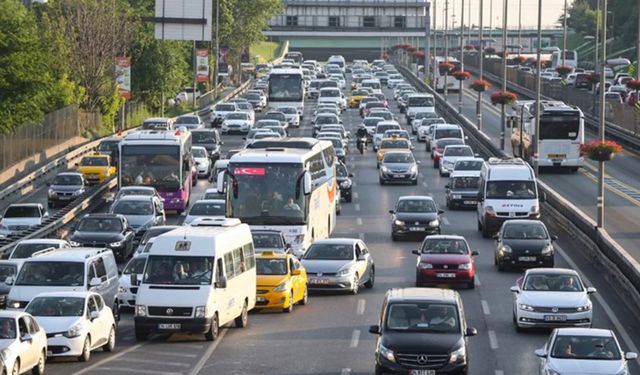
<point x="362" y="144"/>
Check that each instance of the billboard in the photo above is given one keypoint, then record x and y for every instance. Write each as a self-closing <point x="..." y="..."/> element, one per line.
<point x="202" y="65"/>
<point x="183" y="19"/>
<point x="123" y="76"/>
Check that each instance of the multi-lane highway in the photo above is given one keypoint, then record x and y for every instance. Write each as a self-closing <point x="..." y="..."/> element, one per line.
<point x="330" y="335"/>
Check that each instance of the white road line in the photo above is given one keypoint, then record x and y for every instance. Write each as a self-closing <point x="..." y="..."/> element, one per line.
<point x="493" y="340"/>
<point x="356" y="207"/>
<point x="355" y="194"/>
<point x="158" y="352"/>
<point x="359" y="221"/>
<point x="424" y="184"/>
<point x="499" y="372"/>
<point x="345" y="371"/>
<point x="477" y="280"/>
<point x="361" y="236"/>
<point x="155" y="362"/>
<point x="445" y="221"/>
<point x="127" y="370"/>
<point x="111" y="358"/>
<point x="485" y="307"/>
<point x="208" y="354"/>
<point x="605" y="306"/>
<point x="361" y="306"/>
<point x="355" y="337"/>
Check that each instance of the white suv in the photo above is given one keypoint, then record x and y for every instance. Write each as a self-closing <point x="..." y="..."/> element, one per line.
<point x="22" y="216"/>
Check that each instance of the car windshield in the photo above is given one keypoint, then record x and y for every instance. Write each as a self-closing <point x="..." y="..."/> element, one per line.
<point x="458" y="151"/>
<point x="371" y="105"/>
<point x="271" y="266"/>
<point x="225" y="107"/>
<point x="448" y="133"/>
<point x="320" y="120"/>
<point x="398" y="157"/>
<point x="586" y="347"/>
<point x="380" y="129"/>
<point x="26" y="250"/>
<point x="530" y="231"/>
<point x="51" y="274"/>
<point x="94" y="162"/>
<point x="288" y="110"/>
<point x="444" y="246"/>
<point x="464" y="182"/>
<point x="468" y="165"/>
<point x="325" y="251"/>
<point x="264" y="123"/>
<point x="201" y="137"/>
<point x="263" y="135"/>
<point x="430" y="121"/>
<point x="423" y="317"/>
<point x="67" y="180"/>
<point x="187" y="120"/>
<point x="399" y="143"/>
<point x="329" y="93"/>
<point x="416" y="205"/>
<point x="56" y="306"/>
<point x="279" y="116"/>
<point x="267" y="240"/>
<point x="553" y="282"/>
<point x="7" y="328"/>
<point x="135" y="266"/>
<point x="511" y="190"/>
<point x="208" y="209"/>
<point x="421" y="101"/>
<point x="133" y="208"/>
<point x="22" y="211"/>
<point x="441" y="144"/>
<point x="94" y="224"/>
<point x="236" y="116"/>
<point x="134" y="191"/>
<point x="372" y="121"/>
<point x="199" y="152"/>
<point x="252" y="96"/>
<point x="423" y="115"/>
<point x="178" y="270"/>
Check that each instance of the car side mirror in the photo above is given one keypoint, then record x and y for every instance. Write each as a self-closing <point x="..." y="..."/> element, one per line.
<point x="630" y="356"/>
<point x="133" y="280"/>
<point x="474" y="253"/>
<point x="416" y="252"/>
<point x="514" y="289"/>
<point x="222" y="283"/>
<point x="26" y="338"/>
<point x="9" y="280"/>
<point x="351" y="175"/>
<point x="480" y="197"/>
<point x="418" y="162"/>
<point x="220" y="182"/>
<point x="591" y="290"/>
<point x="95" y="282"/>
<point x="307" y="183"/>
<point x="94" y="315"/>
<point x="543" y="197"/>
<point x="440" y="212"/>
<point x="554" y="238"/>
<point x="495" y="236"/>
<point x="471" y="331"/>
<point x="541" y="353"/>
<point x="375" y="330"/>
<point x="46" y="214"/>
<point x="392" y="212"/>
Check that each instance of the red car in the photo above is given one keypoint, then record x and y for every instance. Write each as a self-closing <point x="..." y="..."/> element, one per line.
<point x="445" y="259"/>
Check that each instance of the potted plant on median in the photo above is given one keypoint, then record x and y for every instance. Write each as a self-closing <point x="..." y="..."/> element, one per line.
<point x="503" y="98"/>
<point x="445" y="67"/>
<point x="563" y="70"/>
<point x="600" y="150"/>
<point x="461" y="75"/>
<point x="480" y="85"/>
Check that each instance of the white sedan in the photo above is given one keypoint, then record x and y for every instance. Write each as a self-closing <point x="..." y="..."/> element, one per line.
<point x="550" y="298"/>
<point x="582" y="351"/>
<point x="76" y="323"/>
<point x="23" y="343"/>
<point x="213" y="208"/>
<point x="203" y="163"/>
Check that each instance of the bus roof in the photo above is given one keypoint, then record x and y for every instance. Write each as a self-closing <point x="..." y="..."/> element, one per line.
<point x="285" y="71"/>
<point x="155" y="136"/>
<point x="200" y="241"/>
<point x="286" y="150"/>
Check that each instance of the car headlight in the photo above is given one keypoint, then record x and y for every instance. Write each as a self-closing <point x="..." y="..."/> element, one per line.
<point x="464" y="266"/>
<point x="414" y="169"/>
<point x="447" y="163"/>
<point x="105" y="171"/>
<point x="74" y="243"/>
<point x="387" y="353"/>
<point x="525" y="307"/>
<point x="141" y="310"/>
<point x="281" y="288"/>
<point x="345" y="184"/>
<point x="535" y="209"/>
<point x="434" y="223"/>
<point x="78" y="192"/>
<point x="506" y="249"/>
<point x="343" y="272"/>
<point x="201" y="312"/>
<point x="74" y="331"/>
<point x="13" y="304"/>
<point x="458" y="356"/>
<point x="398" y="222"/>
<point x="584" y="308"/>
<point x="425" y="266"/>
<point x="456" y="196"/>
<point x="547" y="249"/>
<point x="52" y="193"/>
<point x="384" y="169"/>
<point x="116" y="244"/>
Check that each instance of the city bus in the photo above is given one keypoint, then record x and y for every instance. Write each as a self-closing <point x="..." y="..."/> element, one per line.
<point x="286" y="88"/>
<point x="295" y="56"/>
<point x="449" y="80"/>
<point x="570" y="59"/>
<point x="161" y="159"/>
<point x="561" y="134"/>
<point x="284" y="184"/>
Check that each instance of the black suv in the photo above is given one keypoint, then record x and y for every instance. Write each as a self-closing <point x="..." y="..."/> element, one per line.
<point x="344" y="181"/>
<point x="422" y="329"/>
<point x="524" y="244"/>
<point x="104" y="230"/>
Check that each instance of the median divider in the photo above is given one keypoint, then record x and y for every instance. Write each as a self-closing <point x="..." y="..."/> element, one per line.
<point x="623" y="267"/>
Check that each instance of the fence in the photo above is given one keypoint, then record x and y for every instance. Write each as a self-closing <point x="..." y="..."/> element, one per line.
<point x="55" y="130"/>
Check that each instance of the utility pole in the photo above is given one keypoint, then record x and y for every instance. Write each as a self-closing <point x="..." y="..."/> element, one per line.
<point x="520" y="27"/>
<point x="536" y="166"/>
<point x="638" y="49"/>
<point x="461" y="55"/>
<point x="564" y="34"/>
<point x="217" y="52"/>
<point x="490" y="19"/>
<point x="481" y="63"/>
<point x="503" y="127"/>
<point x="446" y="47"/>
<point x="601" y="129"/>
<point x="435" y="43"/>
<point x="596" y="57"/>
<point x="427" y="46"/>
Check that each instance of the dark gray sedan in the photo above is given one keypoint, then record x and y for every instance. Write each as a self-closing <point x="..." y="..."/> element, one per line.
<point x="398" y="166"/>
<point x="415" y="216"/>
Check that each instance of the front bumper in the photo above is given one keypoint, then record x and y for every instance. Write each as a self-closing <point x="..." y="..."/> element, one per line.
<point x="396" y="368"/>
<point x="462" y="200"/>
<point x="187" y="325"/>
<point x="445" y="276"/>
<point x="330" y="282"/>
<point x="531" y="319"/>
<point x="525" y="260"/>
<point x="414" y="230"/>
<point x="60" y="346"/>
<point x="268" y="299"/>
<point x="561" y="162"/>
<point x="398" y="177"/>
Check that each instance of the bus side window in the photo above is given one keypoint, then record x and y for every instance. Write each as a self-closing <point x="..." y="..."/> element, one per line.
<point x="219" y="270"/>
<point x="249" y="256"/>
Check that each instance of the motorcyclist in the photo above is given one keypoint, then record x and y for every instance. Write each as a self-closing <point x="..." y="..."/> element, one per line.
<point x="361" y="136"/>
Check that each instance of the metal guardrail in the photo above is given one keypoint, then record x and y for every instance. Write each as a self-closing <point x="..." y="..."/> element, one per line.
<point x="624" y="263"/>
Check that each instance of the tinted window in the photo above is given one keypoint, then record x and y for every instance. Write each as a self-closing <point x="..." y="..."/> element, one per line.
<point x="444" y="246"/>
<point x="22" y="211"/>
<point x="325" y="251"/>
<point x="398" y="158"/>
<point x="271" y="266"/>
<point x="66" y="179"/>
<point x="464" y="182"/>
<point x="135" y="266"/>
<point x="590" y="348"/>
<point x="532" y="231"/>
<point x="416" y="205"/>
<point x="553" y="282"/>
<point x="423" y="317"/>
<point x="208" y="209"/>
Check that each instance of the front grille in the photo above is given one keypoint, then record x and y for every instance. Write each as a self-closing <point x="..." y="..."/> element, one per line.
<point x="560" y="310"/>
<point x="445" y="266"/>
<point x="18" y="227"/>
<point x="262" y="291"/>
<point x="57" y="349"/>
<point x="422" y="361"/>
<point x="94" y="244"/>
<point x="170" y="311"/>
<point x="517" y="214"/>
<point x="53" y="334"/>
<point x="321" y="274"/>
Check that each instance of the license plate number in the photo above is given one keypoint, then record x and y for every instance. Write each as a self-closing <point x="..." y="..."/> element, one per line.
<point x="470" y="202"/>
<point x="527" y="259"/>
<point x="446" y="275"/>
<point x="422" y="372"/>
<point x="318" y="281"/>
<point x="557" y="156"/>
<point x="261" y="299"/>
<point x="416" y="229"/>
<point x="398" y="176"/>
<point x="169" y="326"/>
<point x="555" y="318"/>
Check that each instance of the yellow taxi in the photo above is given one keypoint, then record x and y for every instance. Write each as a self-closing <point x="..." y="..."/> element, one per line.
<point x="281" y="281"/>
<point x="394" y="143"/>
<point x="96" y="167"/>
<point x="356" y="96"/>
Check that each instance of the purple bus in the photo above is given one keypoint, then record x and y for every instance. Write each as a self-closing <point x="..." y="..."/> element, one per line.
<point x="161" y="159"/>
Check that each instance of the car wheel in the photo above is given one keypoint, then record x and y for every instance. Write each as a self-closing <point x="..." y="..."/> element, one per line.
<point x="141" y="334"/>
<point x="479" y="225"/>
<point x="39" y="369"/>
<point x="414" y="182"/>
<point x="348" y="198"/>
<point x="289" y="308"/>
<point x="86" y="350"/>
<point x="212" y="333"/>
<point x="305" y="297"/>
<point x="500" y="265"/>
<point x="379" y="370"/>
<point x="16" y="367"/>
<point x="356" y="285"/>
<point x="471" y="284"/>
<point x="381" y="181"/>
<point x="372" y="279"/>
<point x="111" y="343"/>
<point x="116" y="311"/>
<point x="485" y="232"/>
<point x="242" y="320"/>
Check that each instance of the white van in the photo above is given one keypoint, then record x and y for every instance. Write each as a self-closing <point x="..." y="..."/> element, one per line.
<point x="197" y="279"/>
<point x="332" y="95"/>
<point x="507" y="190"/>
<point x="419" y="102"/>
<point x="337" y="60"/>
<point x="66" y="270"/>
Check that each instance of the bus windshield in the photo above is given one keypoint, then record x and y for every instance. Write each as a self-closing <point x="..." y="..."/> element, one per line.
<point x="178" y="270"/>
<point x="561" y="128"/>
<point x="152" y="165"/>
<point x="264" y="194"/>
<point x="285" y="87"/>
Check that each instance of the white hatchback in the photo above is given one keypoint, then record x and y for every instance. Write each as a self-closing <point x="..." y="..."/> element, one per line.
<point x="451" y="154"/>
<point x="213" y="208"/>
<point x="23" y="343"/>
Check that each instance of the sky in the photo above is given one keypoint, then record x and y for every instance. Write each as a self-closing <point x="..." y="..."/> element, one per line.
<point x="551" y="11"/>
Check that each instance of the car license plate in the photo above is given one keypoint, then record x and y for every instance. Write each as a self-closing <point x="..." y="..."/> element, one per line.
<point x="416" y="229"/>
<point x="422" y="372"/>
<point x="470" y="202"/>
<point x="557" y="156"/>
<point x="261" y="299"/>
<point x="555" y="318"/>
<point x="49" y="353"/>
<point x="318" y="281"/>
<point x="169" y="326"/>
<point x="398" y="176"/>
<point x="527" y="259"/>
<point x="446" y="275"/>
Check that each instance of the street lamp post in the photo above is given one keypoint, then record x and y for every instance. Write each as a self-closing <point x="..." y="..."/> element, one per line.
<point x="538" y="88"/>
<point x="638" y="49"/>
<point x="564" y="34"/>
<point x="601" y="129"/>
<point x="446" y="48"/>
<point x="504" y="71"/>
<point x="520" y="27"/>
<point x="481" y="66"/>
<point x="435" y="42"/>
<point x="461" y="56"/>
<point x="596" y="52"/>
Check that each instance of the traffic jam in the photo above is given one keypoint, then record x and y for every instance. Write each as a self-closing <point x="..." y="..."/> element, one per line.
<point x="247" y="208"/>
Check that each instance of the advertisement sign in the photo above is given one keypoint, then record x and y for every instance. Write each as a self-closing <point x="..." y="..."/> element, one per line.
<point x="123" y="76"/>
<point x="202" y="65"/>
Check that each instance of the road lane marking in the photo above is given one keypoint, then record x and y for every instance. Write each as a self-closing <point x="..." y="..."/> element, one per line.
<point x="345" y="371"/>
<point x="153" y="362"/>
<point x="107" y="360"/>
<point x="493" y="340"/>
<point x="485" y="307"/>
<point x="355" y="195"/>
<point x="499" y="372"/>
<point x="605" y="306"/>
<point x="445" y="221"/>
<point x="359" y="221"/>
<point x="137" y="371"/>
<point x="361" y="236"/>
<point x="208" y="353"/>
<point x="476" y="280"/>
<point x="356" y="207"/>
<point x="424" y="184"/>
<point x="158" y="352"/>
<point x="361" y="306"/>
<point x="355" y="337"/>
